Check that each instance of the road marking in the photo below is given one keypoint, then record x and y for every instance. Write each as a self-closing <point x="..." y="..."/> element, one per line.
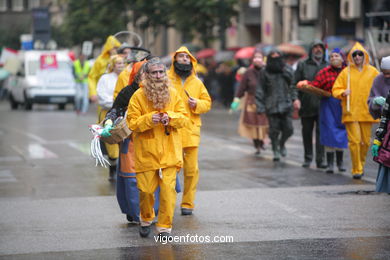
<point x="82" y="147"/>
<point x="32" y="136"/>
<point x="7" y="176"/>
<point x="289" y="209"/>
<point x="35" y="151"/>
<point x="10" y="159"/>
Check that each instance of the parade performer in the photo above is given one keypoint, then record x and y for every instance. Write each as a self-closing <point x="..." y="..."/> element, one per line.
<point x="381" y="141"/>
<point x="105" y="90"/>
<point x="100" y="65"/>
<point x="379" y="89"/>
<point x="332" y="131"/>
<point x="155" y="113"/>
<point x="310" y="104"/>
<point x="196" y="101"/>
<point x="251" y="125"/>
<point x="276" y="97"/>
<point x="353" y="86"/>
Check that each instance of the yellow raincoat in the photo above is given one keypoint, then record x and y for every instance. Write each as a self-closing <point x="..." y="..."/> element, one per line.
<point x="193" y="87"/>
<point x="123" y="80"/>
<point x="196" y="89"/>
<point x="358" y="121"/>
<point x="360" y="84"/>
<point x="153" y="148"/>
<point x="100" y="65"/>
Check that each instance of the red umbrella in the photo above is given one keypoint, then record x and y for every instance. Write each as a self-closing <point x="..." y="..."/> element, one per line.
<point x="245" y="53"/>
<point x="289" y="48"/>
<point x="205" y="53"/>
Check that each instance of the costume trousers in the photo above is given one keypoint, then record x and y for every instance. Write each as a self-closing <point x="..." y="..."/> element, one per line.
<point x="147" y="183"/>
<point x="191" y="176"/>
<point x="280" y="127"/>
<point x="359" y="134"/>
<point x="308" y="125"/>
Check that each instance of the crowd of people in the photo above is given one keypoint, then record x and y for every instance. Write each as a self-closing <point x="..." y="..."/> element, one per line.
<point x="163" y="107"/>
<point x="333" y="101"/>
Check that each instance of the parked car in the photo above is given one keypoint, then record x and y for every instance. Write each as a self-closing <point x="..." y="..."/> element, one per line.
<point x="44" y="77"/>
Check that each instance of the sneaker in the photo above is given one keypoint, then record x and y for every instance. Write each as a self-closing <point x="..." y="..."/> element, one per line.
<point x="357" y="176"/>
<point x="144" y="231"/>
<point x="186" y="212"/>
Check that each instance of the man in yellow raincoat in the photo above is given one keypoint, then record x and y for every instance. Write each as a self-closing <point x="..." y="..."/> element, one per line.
<point x="197" y="101"/>
<point x="353" y="87"/>
<point x="155" y="113"/>
<point x="100" y="65"/>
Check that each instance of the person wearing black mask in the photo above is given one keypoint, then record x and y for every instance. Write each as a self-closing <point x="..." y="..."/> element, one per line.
<point x="276" y="98"/>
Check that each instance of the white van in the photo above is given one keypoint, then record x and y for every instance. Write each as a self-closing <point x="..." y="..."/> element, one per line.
<point x="45" y="77"/>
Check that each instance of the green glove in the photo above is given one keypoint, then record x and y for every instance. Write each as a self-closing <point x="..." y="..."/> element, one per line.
<point x="380" y="101"/>
<point x="374" y="149"/>
<point x="106" y="131"/>
<point x="235" y="104"/>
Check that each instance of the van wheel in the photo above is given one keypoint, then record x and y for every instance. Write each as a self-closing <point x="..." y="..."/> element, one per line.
<point x="13" y="103"/>
<point x="27" y="102"/>
<point x="28" y="105"/>
<point x="61" y="106"/>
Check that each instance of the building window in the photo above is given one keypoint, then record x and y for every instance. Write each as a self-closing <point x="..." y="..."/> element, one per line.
<point x="3" y="5"/>
<point x="17" y="5"/>
<point x="33" y="4"/>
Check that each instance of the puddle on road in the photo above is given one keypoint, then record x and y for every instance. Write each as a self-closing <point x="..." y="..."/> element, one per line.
<point x="353" y="192"/>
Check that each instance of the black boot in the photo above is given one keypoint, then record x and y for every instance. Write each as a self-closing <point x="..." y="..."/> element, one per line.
<point x="283" y="150"/>
<point x="256" y="143"/>
<point x="339" y="161"/>
<point x="275" y="149"/>
<point x="112" y="173"/>
<point x="330" y="161"/>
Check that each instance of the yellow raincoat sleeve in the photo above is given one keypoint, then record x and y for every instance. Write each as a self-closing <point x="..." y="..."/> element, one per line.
<point x="135" y="120"/>
<point x="178" y="118"/>
<point x="340" y="85"/>
<point x="94" y="76"/>
<point x="123" y="80"/>
<point x="203" y="103"/>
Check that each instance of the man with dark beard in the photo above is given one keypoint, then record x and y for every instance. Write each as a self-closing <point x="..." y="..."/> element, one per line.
<point x="276" y="98"/>
<point x="155" y="113"/>
<point x="310" y="104"/>
<point x="196" y="101"/>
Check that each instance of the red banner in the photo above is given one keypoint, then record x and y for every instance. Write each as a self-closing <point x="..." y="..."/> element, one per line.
<point x="48" y="61"/>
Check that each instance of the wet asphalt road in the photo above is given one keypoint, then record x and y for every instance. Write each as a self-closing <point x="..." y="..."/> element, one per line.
<point x="56" y="204"/>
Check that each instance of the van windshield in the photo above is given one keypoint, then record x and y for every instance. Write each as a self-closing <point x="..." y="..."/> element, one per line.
<point x="34" y="66"/>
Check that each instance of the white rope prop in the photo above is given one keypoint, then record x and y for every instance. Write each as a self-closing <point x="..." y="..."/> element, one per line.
<point x="96" y="151"/>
